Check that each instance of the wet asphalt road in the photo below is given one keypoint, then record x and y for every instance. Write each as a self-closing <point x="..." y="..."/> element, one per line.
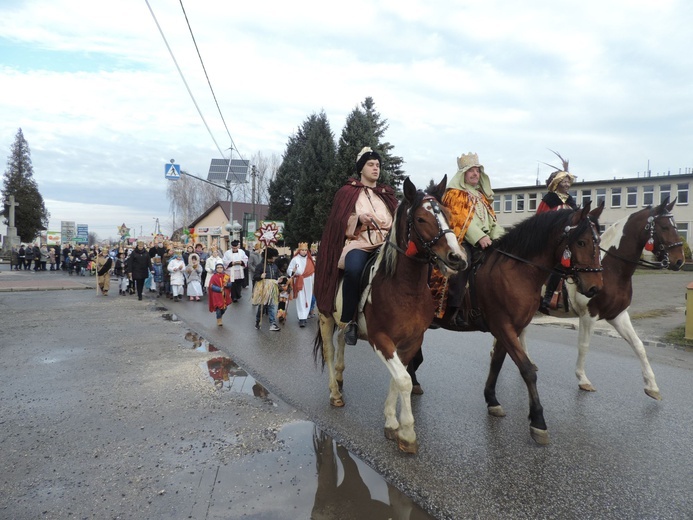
<point x="613" y="454"/>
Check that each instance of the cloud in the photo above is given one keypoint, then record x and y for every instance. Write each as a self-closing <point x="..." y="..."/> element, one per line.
<point x="103" y="107"/>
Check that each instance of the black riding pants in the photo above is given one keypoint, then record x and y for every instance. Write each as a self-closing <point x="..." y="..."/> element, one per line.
<point x="354" y="263"/>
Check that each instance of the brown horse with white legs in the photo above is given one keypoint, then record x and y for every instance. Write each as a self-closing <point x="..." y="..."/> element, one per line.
<point x="506" y="287"/>
<point x="397" y="307"/>
<point x="622" y="244"/>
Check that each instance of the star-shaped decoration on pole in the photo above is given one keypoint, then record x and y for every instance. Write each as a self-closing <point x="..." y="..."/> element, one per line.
<point x="123" y="231"/>
<point x="268" y="233"/>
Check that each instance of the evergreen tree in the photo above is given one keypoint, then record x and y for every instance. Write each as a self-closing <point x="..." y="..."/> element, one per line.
<point x="365" y="127"/>
<point x="391" y="167"/>
<point x="317" y="160"/>
<point x="31" y="215"/>
<point x="282" y="188"/>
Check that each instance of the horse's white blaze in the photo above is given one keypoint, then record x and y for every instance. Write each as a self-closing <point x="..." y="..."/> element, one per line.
<point x="400" y="386"/>
<point x="449" y="237"/>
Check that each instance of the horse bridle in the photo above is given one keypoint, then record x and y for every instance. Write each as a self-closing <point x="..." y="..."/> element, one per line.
<point x="431" y="256"/>
<point x="565" y="272"/>
<point x="662" y="253"/>
<point x="574" y="269"/>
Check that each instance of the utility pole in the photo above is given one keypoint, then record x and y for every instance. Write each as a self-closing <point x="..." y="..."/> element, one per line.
<point x="253" y="174"/>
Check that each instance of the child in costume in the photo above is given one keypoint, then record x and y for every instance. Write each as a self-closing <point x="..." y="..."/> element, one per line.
<point x="157" y="283"/>
<point x="176" y="267"/>
<point x="283" y="283"/>
<point x="219" y="292"/>
<point x="120" y="271"/>
<point x="193" y="276"/>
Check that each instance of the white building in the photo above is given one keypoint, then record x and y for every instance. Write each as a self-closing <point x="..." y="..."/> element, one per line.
<point x="622" y="197"/>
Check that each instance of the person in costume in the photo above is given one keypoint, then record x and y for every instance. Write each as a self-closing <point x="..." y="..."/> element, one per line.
<point x="120" y="270"/>
<point x="283" y="282"/>
<point x="558" y="184"/>
<point x="235" y="261"/>
<point x="193" y="277"/>
<point x="176" y="267"/>
<point x="254" y="259"/>
<point x="219" y="292"/>
<point x="104" y="263"/>
<point x="266" y="291"/>
<point x="210" y="264"/>
<point x="350" y="236"/>
<point x="469" y="198"/>
<point x="301" y="270"/>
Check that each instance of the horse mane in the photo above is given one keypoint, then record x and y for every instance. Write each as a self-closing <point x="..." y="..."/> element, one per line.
<point x="532" y="235"/>
<point x="397" y="235"/>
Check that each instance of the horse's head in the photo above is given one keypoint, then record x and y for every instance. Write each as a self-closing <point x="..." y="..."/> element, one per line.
<point x="581" y="258"/>
<point x="429" y="231"/>
<point x="663" y="237"/>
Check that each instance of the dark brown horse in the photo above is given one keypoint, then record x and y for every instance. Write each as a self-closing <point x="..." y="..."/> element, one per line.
<point x="398" y="307"/>
<point x="622" y="244"/>
<point x="508" y="284"/>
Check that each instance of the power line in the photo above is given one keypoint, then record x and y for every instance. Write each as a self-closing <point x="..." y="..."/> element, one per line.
<point x="233" y="145"/>
<point x="180" y="72"/>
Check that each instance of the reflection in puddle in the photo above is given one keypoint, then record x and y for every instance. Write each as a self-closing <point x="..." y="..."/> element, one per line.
<point x="200" y="344"/>
<point x="311" y="476"/>
<point x="170" y="317"/>
<point x="227" y="375"/>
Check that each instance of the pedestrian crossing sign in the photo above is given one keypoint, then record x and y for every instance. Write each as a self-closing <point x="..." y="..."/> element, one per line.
<point x="172" y="171"/>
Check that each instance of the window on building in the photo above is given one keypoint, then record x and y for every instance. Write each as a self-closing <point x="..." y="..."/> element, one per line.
<point x="615" y="197"/>
<point x="647" y="195"/>
<point x="601" y="196"/>
<point x="664" y="192"/>
<point x="586" y="197"/>
<point x="682" y="193"/>
<point x="507" y="203"/>
<point x="683" y="230"/>
<point x="573" y="193"/>
<point x="519" y="202"/>
<point x="496" y="205"/>
<point x="631" y="196"/>
<point x="532" y="202"/>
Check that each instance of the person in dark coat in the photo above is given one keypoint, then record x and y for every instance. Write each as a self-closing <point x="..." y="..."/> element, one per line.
<point x="140" y="267"/>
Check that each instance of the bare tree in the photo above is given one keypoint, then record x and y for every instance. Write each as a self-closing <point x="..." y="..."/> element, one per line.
<point x="189" y="198"/>
<point x="265" y="168"/>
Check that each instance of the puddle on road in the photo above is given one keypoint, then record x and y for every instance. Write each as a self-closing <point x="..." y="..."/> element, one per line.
<point x="170" y="317"/>
<point x="311" y="476"/>
<point x="225" y="374"/>
<point x="199" y="343"/>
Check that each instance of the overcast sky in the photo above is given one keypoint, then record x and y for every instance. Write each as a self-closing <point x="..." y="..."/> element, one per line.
<point x="608" y="84"/>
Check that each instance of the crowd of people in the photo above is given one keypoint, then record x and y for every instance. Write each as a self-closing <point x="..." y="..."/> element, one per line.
<point x="362" y="214"/>
<point x="167" y="270"/>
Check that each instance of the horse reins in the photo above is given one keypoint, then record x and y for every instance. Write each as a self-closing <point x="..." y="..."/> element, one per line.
<point x="663" y="248"/>
<point x="563" y="272"/>
<point x="431" y="256"/>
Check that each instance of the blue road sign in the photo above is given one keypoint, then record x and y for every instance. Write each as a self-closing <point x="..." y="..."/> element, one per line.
<point x="172" y="171"/>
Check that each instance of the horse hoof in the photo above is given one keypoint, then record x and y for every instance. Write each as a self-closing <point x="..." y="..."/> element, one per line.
<point x="337" y="402"/>
<point x="408" y="447"/>
<point x="541" y="437"/>
<point x="417" y="390"/>
<point x="587" y="387"/>
<point x="496" y="411"/>
<point x="391" y="434"/>
<point x="654" y="394"/>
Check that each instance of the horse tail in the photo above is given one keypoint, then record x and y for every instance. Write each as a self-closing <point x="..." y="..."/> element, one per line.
<point x="317" y="350"/>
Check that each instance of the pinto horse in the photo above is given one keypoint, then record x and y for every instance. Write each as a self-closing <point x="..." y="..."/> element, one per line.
<point x="398" y="306"/>
<point x="507" y="286"/>
<point x="622" y="245"/>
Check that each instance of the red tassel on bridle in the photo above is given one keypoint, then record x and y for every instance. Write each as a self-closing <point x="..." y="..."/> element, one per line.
<point x="649" y="246"/>
<point x="565" y="260"/>
<point x="411" y="249"/>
